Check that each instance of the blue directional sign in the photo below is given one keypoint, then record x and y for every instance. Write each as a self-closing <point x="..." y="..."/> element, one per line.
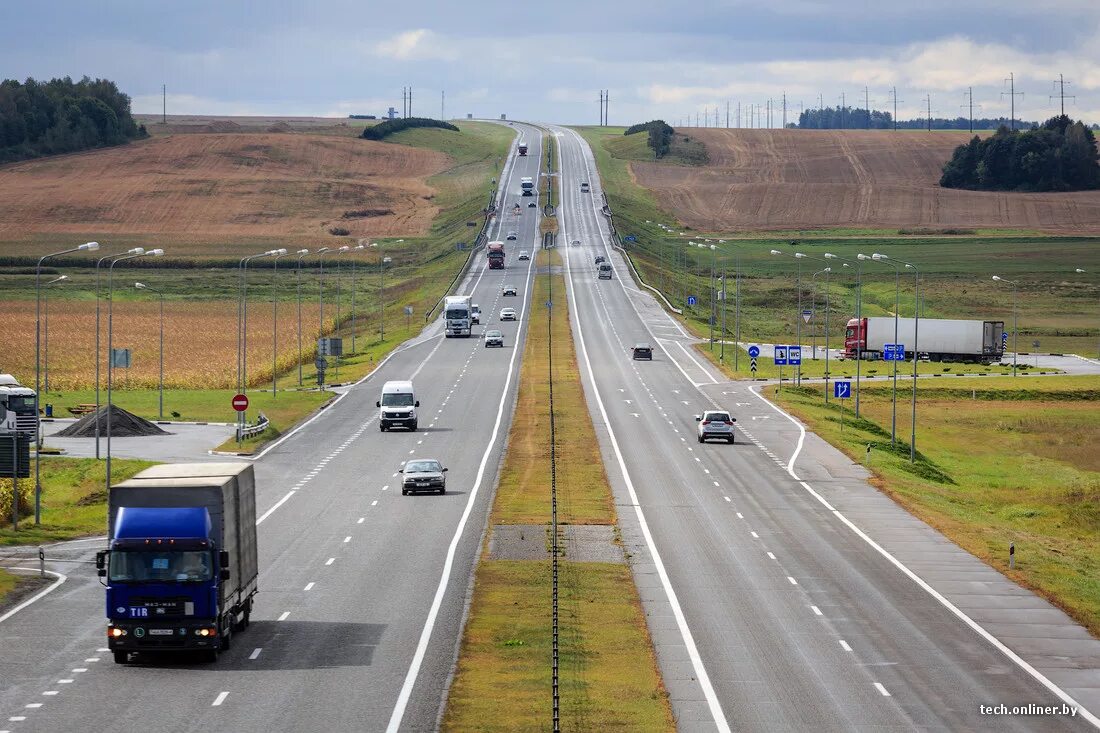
<point x="1004" y="339"/>
<point x="630" y="238"/>
<point x="691" y="300"/>
<point x="781" y="356"/>
<point x="893" y="352"/>
<point x="842" y="390"/>
<point x="754" y="351"/>
<point x="794" y="355"/>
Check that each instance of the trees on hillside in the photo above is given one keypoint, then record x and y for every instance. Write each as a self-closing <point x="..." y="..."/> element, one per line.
<point x="62" y="116"/>
<point x="389" y="127"/>
<point x="660" y="135"/>
<point x="1060" y="155"/>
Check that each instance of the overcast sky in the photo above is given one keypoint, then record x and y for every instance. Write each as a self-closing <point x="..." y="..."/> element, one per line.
<point x="548" y="62"/>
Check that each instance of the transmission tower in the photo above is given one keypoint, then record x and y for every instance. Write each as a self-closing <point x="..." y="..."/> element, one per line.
<point x="895" y="100"/>
<point x="970" y="94"/>
<point x="1061" y="95"/>
<point x="1012" y="94"/>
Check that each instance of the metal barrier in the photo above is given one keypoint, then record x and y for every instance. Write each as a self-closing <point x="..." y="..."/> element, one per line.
<point x="248" y="431"/>
<point x="637" y="275"/>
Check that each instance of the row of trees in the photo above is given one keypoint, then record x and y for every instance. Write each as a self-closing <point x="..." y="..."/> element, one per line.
<point x="62" y="116"/>
<point x="660" y="135"/>
<point x="389" y="127"/>
<point x="857" y="118"/>
<point x="1060" y="155"/>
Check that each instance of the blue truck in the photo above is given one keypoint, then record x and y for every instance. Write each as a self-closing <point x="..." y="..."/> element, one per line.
<point x="181" y="563"/>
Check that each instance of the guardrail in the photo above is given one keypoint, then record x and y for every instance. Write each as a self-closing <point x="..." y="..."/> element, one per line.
<point x="626" y="255"/>
<point x="248" y="431"/>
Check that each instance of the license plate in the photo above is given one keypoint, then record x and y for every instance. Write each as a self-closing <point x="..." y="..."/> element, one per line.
<point x="161" y="632"/>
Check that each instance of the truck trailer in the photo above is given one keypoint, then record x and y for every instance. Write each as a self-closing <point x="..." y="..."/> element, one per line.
<point x="181" y="564"/>
<point x="522" y="149"/>
<point x="938" y="339"/>
<point x="496" y="255"/>
<point x="458" y="315"/>
<point x="527" y="185"/>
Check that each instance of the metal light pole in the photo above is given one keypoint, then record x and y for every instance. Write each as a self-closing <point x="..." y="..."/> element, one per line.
<point x="336" y="330"/>
<point x="713" y="256"/>
<point x="242" y="330"/>
<point x="877" y="257"/>
<point x="916" y="328"/>
<point x="134" y="251"/>
<point x="1015" y="302"/>
<point x="799" y="256"/>
<point x="1080" y="271"/>
<point x="86" y="247"/>
<point x="160" y="387"/>
<point x="46" y="334"/>
<point x="321" y="289"/>
<point x="859" y="310"/>
<point x="357" y="248"/>
<point x="813" y="306"/>
<point x="111" y="342"/>
<point x="298" y="286"/>
<point x="382" y="295"/>
<point x="275" y="317"/>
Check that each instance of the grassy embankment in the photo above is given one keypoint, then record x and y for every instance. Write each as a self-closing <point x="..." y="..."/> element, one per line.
<point x="609" y="678"/>
<point x="73" y="500"/>
<point x="998" y="461"/>
<point x="1057" y="307"/>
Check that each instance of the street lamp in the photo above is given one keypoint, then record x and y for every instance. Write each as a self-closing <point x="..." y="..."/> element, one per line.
<point x="713" y="309"/>
<point x="298" y="286"/>
<point x="242" y="330"/>
<point x="46" y="332"/>
<point x="897" y="292"/>
<point x="111" y="341"/>
<point x="798" y="319"/>
<point x="916" y="343"/>
<point x="86" y="247"/>
<point x="357" y="248"/>
<point x="160" y="387"/>
<point x="859" y="311"/>
<point x="382" y="296"/>
<point x="1015" y="302"/>
<point x="342" y="250"/>
<point x="1080" y="271"/>
<point x="100" y="261"/>
<point x="275" y="316"/>
<point x="813" y="305"/>
<point x="321" y="289"/>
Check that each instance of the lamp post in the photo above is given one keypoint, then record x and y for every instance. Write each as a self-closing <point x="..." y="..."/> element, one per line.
<point x="46" y="332"/>
<point x="382" y="295"/>
<point x="111" y="342"/>
<point x="275" y="320"/>
<point x="321" y="289"/>
<point x="242" y="330"/>
<point x="1015" y="302"/>
<point x="713" y="309"/>
<point x="298" y="286"/>
<point x="916" y="342"/>
<point x="859" y="311"/>
<point x="160" y="381"/>
<point x="1080" y="271"/>
<point x="100" y="261"/>
<point x="86" y="247"/>
<point x="342" y="250"/>
<point x="813" y="305"/>
<point x="877" y="257"/>
<point x="357" y="248"/>
<point x="798" y="319"/>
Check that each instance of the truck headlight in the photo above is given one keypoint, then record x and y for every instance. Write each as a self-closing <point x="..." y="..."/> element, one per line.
<point x="114" y="632"/>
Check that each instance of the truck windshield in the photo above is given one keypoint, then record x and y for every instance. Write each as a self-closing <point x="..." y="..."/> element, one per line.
<point x="850" y="333"/>
<point x="397" y="399"/>
<point x="457" y="313"/>
<point x="163" y="566"/>
<point x="21" y="405"/>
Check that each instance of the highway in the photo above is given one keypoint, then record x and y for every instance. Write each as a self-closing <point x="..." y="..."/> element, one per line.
<point x="768" y="612"/>
<point x="362" y="590"/>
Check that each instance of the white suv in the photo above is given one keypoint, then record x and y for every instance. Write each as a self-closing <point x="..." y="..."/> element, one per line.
<point x="716" y="424"/>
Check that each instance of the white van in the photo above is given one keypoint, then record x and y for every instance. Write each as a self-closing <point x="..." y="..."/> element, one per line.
<point x="397" y="406"/>
<point x="604" y="272"/>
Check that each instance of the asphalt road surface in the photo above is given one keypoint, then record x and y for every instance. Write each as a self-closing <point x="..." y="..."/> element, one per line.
<point x="362" y="590"/>
<point x="768" y="612"/>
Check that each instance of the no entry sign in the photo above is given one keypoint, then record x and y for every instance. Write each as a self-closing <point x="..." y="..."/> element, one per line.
<point x="240" y="402"/>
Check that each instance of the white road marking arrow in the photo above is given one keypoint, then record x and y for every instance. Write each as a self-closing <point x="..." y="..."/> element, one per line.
<point x="761" y="417"/>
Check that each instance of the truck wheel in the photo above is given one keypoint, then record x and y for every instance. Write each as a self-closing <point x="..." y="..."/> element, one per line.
<point x="381" y="427"/>
<point x="122" y="657"/>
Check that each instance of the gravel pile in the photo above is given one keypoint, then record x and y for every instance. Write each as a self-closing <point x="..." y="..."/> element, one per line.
<point x="123" y="425"/>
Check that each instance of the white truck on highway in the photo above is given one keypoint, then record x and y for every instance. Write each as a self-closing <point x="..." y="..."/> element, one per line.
<point x="938" y="339"/>
<point x="527" y="184"/>
<point x="397" y="406"/>
<point x="458" y="315"/>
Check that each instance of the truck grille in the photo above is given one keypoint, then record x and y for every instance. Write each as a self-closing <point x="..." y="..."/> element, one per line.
<point x="26" y="424"/>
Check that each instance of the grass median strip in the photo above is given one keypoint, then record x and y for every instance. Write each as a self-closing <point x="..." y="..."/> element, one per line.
<point x="609" y="676"/>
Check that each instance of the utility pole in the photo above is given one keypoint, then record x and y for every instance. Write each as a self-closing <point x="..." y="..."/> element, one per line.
<point x="601" y="108"/>
<point x="1061" y="84"/>
<point x="1012" y="94"/>
<point x="164" y="104"/>
<point x="970" y="93"/>
<point x="738" y="115"/>
<point x="410" y="101"/>
<point x="784" y="110"/>
<point x="928" y="99"/>
<point x="606" y="105"/>
<point x="442" y="105"/>
<point x="843" y="110"/>
<point x="727" y="114"/>
<point x="716" y="117"/>
<point x="894" y="97"/>
<point x="404" y="102"/>
<point x="866" y="106"/>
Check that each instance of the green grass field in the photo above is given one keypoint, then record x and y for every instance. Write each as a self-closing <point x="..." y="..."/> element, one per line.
<point x="998" y="462"/>
<point x="1058" y="307"/>
<point x="7" y="584"/>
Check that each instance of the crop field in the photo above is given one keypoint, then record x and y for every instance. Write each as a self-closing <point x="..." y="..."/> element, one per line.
<point x="794" y="179"/>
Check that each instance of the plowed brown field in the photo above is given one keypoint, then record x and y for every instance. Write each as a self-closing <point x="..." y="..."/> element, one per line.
<point x="808" y="179"/>
<point x="224" y="185"/>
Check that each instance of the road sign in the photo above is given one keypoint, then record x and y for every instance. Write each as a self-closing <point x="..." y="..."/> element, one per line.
<point x="893" y="352"/>
<point x="330" y="347"/>
<point x="780" y="355"/>
<point x="240" y="402"/>
<point x="842" y="390"/>
<point x="754" y="351"/>
<point x="807" y="315"/>
<point x="630" y="238"/>
<point x="752" y="365"/>
<point x="120" y="358"/>
<point x="794" y="355"/>
<point x="408" y="310"/>
<point x="691" y="300"/>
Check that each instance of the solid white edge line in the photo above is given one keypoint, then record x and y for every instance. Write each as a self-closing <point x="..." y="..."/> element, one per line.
<point x="681" y="621"/>
<point x="61" y="578"/>
<point x="278" y="504"/>
<point x="882" y="690"/>
<point x="441" y="590"/>
<point x="959" y="613"/>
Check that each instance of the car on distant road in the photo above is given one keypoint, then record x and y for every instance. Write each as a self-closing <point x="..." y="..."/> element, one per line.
<point x="507" y="314"/>
<point x="508" y="290"/>
<point x="576" y="242"/>
<point x="531" y="205"/>
<point x="600" y="258"/>
<point x="423" y="474"/>
<point x="642" y="351"/>
<point x="584" y="187"/>
<point x="512" y="236"/>
<point x="716" y="424"/>
<point x="475" y="313"/>
<point x="524" y="256"/>
<point x="494" y="337"/>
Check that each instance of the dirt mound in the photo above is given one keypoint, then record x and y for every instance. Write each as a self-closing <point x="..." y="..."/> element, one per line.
<point x="280" y="126"/>
<point x="223" y="126"/>
<point x="123" y="425"/>
<point x="807" y="179"/>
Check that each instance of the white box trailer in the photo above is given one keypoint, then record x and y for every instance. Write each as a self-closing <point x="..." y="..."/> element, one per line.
<point x="939" y="339"/>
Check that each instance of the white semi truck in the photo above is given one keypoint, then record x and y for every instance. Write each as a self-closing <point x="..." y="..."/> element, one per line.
<point x="458" y="315"/>
<point x="938" y="339"/>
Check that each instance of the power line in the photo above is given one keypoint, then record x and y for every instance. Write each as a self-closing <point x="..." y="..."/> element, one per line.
<point x="1012" y="94"/>
<point x="894" y="97"/>
<point x="1061" y="84"/>
<point x="784" y="110"/>
<point x="970" y="93"/>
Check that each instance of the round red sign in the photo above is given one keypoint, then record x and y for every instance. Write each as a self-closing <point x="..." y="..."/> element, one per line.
<point x="240" y="402"/>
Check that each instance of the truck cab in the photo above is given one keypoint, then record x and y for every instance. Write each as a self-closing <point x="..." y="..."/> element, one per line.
<point x="397" y="406"/>
<point x="21" y="401"/>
